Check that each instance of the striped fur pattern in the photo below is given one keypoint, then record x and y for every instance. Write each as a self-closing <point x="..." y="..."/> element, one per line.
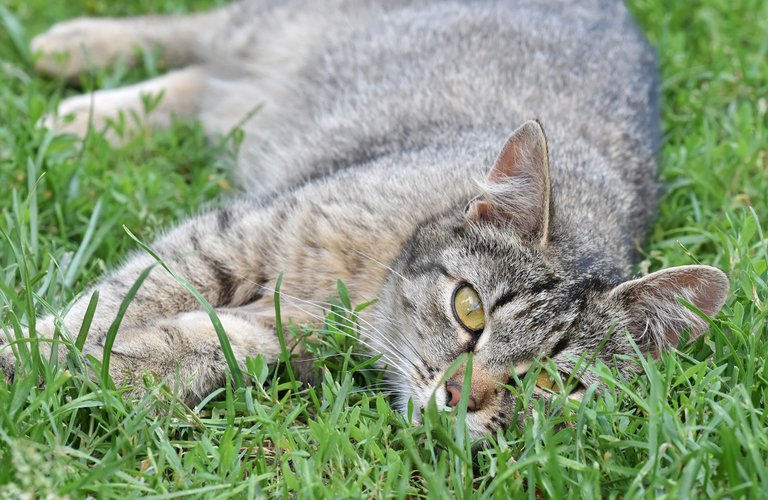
<point x="374" y="158"/>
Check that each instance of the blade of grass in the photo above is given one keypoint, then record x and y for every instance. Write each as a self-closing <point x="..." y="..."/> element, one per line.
<point x="75" y="264"/>
<point x="229" y="355"/>
<point x="285" y="354"/>
<point x="17" y="34"/>
<point x="109" y="341"/>
<point x="87" y="319"/>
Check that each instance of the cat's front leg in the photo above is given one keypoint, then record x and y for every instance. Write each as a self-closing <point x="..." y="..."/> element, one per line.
<point x="184" y="351"/>
<point x="218" y="254"/>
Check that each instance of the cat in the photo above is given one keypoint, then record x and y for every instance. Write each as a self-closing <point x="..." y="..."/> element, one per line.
<point x="380" y="153"/>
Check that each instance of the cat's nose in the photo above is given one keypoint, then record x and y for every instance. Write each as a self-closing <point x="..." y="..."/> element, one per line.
<point x="454" y="396"/>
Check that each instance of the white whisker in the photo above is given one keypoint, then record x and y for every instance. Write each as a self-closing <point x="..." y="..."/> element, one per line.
<point x="385" y="356"/>
<point x="379" y="335"/>
<point x="389" y="268"/>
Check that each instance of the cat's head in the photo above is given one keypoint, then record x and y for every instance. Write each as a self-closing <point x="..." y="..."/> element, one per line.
<point x="488" y="280"/>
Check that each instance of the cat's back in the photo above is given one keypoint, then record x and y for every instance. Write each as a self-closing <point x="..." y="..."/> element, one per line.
<point x="345" y="83"/>
<point x="577" y="65"/>
<point x="379" y="75"/>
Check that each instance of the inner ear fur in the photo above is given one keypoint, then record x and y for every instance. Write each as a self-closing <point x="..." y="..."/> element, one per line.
<point x="656" y="315"/>
<point x="517" y="191"/>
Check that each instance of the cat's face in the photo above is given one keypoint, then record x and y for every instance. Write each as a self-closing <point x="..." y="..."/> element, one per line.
<point x="477" y="282"/>
<point x="464" y="287"/>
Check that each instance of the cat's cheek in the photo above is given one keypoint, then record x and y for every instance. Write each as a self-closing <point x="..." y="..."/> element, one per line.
<point x="413" y="402"/>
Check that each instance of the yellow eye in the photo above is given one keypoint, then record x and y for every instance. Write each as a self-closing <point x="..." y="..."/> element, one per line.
<point x="544" y="381"/>
<point x="468" y="309"/>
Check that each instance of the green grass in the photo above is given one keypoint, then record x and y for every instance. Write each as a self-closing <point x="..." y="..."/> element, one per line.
<point x="696" y="425"/>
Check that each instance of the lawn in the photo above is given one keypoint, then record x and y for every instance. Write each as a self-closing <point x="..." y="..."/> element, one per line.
<point x="695" y="424"/>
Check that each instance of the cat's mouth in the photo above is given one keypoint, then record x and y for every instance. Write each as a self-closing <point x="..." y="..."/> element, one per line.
<point x="491" y="407"/>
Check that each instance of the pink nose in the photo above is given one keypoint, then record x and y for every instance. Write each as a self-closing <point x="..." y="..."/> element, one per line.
<point x="454" y="396"/>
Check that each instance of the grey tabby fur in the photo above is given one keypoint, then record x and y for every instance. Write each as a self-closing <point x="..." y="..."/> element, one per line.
<point x="375" y="159"/>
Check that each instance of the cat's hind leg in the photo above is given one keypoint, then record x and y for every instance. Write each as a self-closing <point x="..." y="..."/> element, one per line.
<point x="152" y="103"/>
<point x="72" y="47"/>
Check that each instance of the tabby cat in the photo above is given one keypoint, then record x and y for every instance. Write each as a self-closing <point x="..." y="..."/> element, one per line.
<point x="380" y="154"/>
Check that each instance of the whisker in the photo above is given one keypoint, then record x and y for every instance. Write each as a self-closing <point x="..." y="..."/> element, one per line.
<point x="336" y="355"/>
<point x="344" y="322"/>
<point x="404" y="338"/>
<point x="350" y="322"/>
<point x="381" y="337"/>
<point x="385" y="266"/>
<point x="387" y="391"/>
<point x="385" y="356"/>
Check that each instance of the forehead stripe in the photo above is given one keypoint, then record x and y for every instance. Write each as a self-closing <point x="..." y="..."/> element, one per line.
<point x="430" y="268"/>
<point x="544" y="285"/>
<point x="506" y="297"/>
<point x="532" y="291"/>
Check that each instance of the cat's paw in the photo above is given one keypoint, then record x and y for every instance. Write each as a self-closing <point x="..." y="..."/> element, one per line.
<point x="72" y="47"/>
<point x="7" y="359"/>
<point x="45" y="333"/>
<point x="73" y="116"/>
<point x="77" y="114"/>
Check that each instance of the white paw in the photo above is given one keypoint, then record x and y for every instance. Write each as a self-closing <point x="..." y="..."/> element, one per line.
<point x="72" y="47"/>
<point x="77" y="114"/>
<point x="74" y="116"/>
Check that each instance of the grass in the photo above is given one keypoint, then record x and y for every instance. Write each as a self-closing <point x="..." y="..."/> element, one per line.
<point x="695" y="425"/>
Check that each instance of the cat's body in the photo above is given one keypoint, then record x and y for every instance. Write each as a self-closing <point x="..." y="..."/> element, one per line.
<point x="364" y="163"/>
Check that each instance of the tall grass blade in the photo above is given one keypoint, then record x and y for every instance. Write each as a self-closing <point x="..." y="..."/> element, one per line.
<point x="109" y="340"/>
<point x="82" y="334"/>
<point x="226" y="347"/>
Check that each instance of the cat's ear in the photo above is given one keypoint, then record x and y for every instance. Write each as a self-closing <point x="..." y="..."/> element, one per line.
<point x="517" y="190"/>
<point x="656" y="316"/>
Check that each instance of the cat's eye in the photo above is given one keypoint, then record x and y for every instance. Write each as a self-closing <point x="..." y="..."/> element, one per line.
<point x="468" y="309"/>
<point x="544" y="381"/>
